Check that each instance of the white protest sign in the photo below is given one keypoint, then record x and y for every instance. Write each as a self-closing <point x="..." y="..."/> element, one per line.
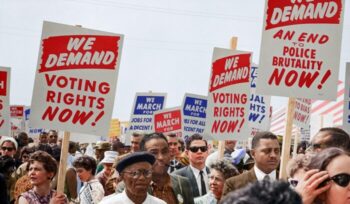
<point x="75" y="81"/>
<point x="168" y="121"/>
<point x="259" y="105"/>
<point x="300" y="48"/>
<point x="302" y="113"/>
<point x="5" y="76"/>
<point x="32" y="132"/>
<point x="194" y="114"/>
<point x="145" y="104"/>
<point x="346" y="109"/>
<point x="17" y="119"/>
<point x="228" y="96"/>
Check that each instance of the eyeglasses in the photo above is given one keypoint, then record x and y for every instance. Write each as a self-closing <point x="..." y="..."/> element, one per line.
<point x="53" y="136"/>
<point x="341" y="179"/>
<point x="195" y="149"/>
<point x="293" y="182"/>
<point x="136" y="174"/>
<point x="7" y="148"/>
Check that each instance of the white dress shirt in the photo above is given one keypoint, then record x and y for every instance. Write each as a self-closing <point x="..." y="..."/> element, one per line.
<point x="260" y="175"/>
<point x="198" y="179"/>
<point x="122" y="198"/>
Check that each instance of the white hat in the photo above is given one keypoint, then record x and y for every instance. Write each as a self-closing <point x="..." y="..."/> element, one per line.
<point x="9" y="139"/>
<point x="110" y="157"/>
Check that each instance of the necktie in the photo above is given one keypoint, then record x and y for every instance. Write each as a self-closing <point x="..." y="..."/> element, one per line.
<point x="204" y="190"/>
<point x="266" y="178"/>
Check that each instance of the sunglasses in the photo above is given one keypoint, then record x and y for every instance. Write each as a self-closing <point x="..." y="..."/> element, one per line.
<point x="293" y="182"/>
<point x="7" y="148"/>
<point x="195" y="149"/>
<point x="341" y="179"/>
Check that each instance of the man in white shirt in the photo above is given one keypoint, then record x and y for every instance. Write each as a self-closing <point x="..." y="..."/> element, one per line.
<point x="136" y="172"/>
<point x="266" y="153"/>
<point x="196" y="172"/>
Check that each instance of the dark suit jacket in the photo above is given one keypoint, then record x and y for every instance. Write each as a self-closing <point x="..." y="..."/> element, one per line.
<point x="181" y="188"/>
<point x="239" y="181"/>
<point x="188" y="173"/>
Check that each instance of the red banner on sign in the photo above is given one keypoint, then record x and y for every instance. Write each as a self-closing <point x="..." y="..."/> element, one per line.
<point x="79" y="52"/>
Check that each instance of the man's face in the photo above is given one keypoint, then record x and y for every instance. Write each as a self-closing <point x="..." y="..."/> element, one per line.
<point x="99" y="153"/>
<point x="230" y="144"/>
<point x="173" y="146"/>
<point x="196" y="156"/>
<point x="137" y="177"/>
<point x="43" y="138"/>
<point x="135" y="143"/>
<point x="52" y="137"/>
<point x="267" y="155"/>
<point x="319" y="140"/>
<point x="23" y="140"/>
<point x="160" y="150"/>
<point x="8" y="148"/>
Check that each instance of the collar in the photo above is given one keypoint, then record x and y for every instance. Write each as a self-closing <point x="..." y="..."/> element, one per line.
<point x="128" y="200"/>
<point x="196" y="171"/>
<point x="260" y="174"/>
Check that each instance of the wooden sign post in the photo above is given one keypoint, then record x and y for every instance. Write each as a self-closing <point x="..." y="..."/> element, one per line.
<point x="285" y="156"/>
<point x="63" y="163"/>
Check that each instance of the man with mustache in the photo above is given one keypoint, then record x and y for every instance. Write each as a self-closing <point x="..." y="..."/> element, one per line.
<point x="266" y="153"/>
<point x="173" y="189"/>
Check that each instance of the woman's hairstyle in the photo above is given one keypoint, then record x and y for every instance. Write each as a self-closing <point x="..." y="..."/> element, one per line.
<point x="86" y="162"/>
<point x="321" y="160"/>
<point x="48" y="162"/>
<point x="225" y="167"/>
<point x="27" y="150"/>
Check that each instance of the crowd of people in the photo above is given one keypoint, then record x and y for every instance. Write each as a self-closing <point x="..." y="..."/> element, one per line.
<point x="158" y="168"/>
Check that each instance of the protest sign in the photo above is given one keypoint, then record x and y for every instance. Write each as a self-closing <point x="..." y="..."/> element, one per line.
<point x="145" y="104"/>
<point x="17" y="119"/>
<point x="302" y="112"/>
<point x="32" y="132"/>
<point x="346" y="109"/>
<point x="228" y="96"/>
<point x="194" y="114"/>
<point x="259" y="105"/>
<point x="168" y="121"/>
<point x="5" y="74"/>
<point x="300" y="48"/>
<point x="75" y="81"/>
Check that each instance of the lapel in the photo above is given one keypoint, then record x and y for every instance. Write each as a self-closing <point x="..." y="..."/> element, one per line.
<point x="251" y="175"/>
<point x="193" y="181"/>
<point x="175" y="184"/>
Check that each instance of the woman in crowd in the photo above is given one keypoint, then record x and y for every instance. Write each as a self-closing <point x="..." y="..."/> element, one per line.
<point x="337" y="182"/>
<point x="219" y="172"/>
<point x="42" y="169"/>
<point x="92" y="192"/>
<point x="108" y="176"/>
<point x="296" y="168"/>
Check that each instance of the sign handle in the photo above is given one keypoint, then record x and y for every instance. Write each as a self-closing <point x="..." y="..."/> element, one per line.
<point x="221" y="146"/>
<point x="287" y="139"/>
<point x="63" y="162"/>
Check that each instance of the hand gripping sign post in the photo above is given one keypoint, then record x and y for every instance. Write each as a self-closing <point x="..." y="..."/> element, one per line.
<point x="300" y="54"/>
<point x="194" y="114"/>
<point x="75" y="82"/>
<point x="228" y="97"/>
<point x="300" y="48"/>
<point x="168" y="121"/>
<point x="346" y="109"/>
<point x="5" y="128"/>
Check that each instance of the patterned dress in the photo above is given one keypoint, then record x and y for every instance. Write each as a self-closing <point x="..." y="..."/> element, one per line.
<point x="34" y="198"/>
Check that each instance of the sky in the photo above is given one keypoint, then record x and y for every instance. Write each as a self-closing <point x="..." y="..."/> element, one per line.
<point x="168" y="44"/>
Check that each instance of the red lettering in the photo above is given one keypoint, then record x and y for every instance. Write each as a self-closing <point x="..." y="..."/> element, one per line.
<point x="276" y="76"/>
